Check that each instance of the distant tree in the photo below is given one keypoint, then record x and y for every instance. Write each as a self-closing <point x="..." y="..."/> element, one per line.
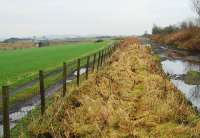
<point x="170" y="29"/>
<point x="156" y="29"/>
<point x="191" y="24"/>
<point x="164" y="30"/>
<point x="99" y="40"/>
<point x="184" y="25"/>
<point x="146" y="33"/>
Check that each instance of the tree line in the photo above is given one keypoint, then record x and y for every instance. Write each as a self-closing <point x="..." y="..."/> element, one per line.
<point x="183" y="25"/>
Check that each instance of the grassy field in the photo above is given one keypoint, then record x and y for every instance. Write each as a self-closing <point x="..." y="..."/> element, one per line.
<point x="17" y="66"/>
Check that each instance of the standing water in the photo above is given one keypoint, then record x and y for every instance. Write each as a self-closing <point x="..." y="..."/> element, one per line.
<point x="178" y="68"/>
<point x="177" y="63"/>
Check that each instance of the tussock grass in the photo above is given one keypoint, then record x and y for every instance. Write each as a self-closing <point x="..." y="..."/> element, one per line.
<point x="192" y="77"/>
<point x="129" y="98"/>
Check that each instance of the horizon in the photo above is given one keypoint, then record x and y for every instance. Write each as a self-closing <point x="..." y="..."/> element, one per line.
<point x="67" y="36"/>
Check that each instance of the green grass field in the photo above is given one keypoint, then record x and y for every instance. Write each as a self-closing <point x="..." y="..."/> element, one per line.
<point x="19" y="65"/>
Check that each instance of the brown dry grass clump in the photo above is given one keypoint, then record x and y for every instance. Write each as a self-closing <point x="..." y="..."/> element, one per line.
<point x="126" y="99"/>
<point x="187" y="39"/>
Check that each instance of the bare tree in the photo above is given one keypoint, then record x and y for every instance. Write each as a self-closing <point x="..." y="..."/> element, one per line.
<point x="196" y="6"/>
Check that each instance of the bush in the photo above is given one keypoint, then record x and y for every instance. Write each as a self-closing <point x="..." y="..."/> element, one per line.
<point x="99" y="41"/>
<point x="166" y="30"/>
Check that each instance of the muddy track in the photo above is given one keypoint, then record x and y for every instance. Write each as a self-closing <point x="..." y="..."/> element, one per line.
<point x="33" y="82"/>
<point x="35" y="100"/>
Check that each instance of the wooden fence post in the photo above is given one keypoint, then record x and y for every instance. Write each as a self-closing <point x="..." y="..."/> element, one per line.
<point x="106" y="55"/>
<point x="78" y="72"/>
<point x="42" y="91"/>
<point x="64" y="79"/>
<point x="115" y="47"/>
<point x="87" y="67"/>
<point x="102" y="53"/>
<point x="94" y="61"/>
<point x="109" y="51"/>
<point x="99" y="59"/>
<point x="6" y="123"/>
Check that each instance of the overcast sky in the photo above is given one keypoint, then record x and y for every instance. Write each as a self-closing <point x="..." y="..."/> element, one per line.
<point x="82" y="17"/>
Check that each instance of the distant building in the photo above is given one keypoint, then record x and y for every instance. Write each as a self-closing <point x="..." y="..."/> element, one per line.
<point x="41" y="43"/>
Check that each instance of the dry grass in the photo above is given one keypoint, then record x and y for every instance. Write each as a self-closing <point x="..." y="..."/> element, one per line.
<point x="187" y="39"/>
<point x="129" y="98"/>
<point x="17" y="45"/>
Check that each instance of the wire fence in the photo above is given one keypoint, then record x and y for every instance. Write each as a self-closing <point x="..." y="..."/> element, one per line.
<point x="46" y="82"/>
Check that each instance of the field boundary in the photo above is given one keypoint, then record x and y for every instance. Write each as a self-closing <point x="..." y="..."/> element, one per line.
<point x="60" y="76"/>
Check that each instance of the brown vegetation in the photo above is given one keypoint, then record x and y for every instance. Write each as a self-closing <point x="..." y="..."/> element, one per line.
<point x="129" y="98"/>
<point x="17" y="45"/>
<point x="187" y="38"/>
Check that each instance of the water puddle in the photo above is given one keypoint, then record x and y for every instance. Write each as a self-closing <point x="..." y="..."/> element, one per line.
<point x="82" y="71"/>
<point x="16" y="116"/>
<point x="192" y="92"/>
<point x="179" y="67"/>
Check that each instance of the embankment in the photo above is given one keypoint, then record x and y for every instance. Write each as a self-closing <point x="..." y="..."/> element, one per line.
<point x="185" y="39"/>
<point x="128" y="98"/>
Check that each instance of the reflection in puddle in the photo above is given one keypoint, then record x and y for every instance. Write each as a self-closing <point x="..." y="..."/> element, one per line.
<point x="22" y="113"/>
<point x="16" y="116"/>
<point x="192" y="92"/>
<point x="82" y="71"/>
<point x="178" y="67"/>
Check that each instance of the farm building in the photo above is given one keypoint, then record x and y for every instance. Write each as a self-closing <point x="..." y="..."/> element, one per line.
<point x="41" y="43"/>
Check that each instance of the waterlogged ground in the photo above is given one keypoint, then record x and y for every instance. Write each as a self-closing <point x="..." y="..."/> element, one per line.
<point x="17" y="114"/>
<point x="177" y="63"/>
<point x="176" y="69"/>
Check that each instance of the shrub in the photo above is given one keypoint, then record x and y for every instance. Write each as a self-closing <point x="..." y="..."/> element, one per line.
<point x="99" y="41"/>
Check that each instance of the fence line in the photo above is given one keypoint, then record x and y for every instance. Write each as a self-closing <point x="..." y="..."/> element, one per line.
<point x="99" y="57"/>
<point x="87" y="67"/>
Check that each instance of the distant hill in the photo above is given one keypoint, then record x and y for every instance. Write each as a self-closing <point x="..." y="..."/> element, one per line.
<point x="13" y="40"/>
